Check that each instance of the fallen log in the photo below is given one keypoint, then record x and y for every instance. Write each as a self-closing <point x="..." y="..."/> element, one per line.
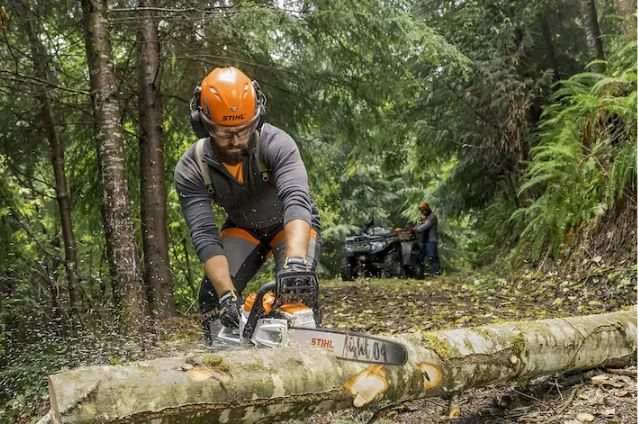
<point x="266" y="385"/>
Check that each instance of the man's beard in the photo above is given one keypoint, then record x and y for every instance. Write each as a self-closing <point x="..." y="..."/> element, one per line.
<point x="231" y="158"/>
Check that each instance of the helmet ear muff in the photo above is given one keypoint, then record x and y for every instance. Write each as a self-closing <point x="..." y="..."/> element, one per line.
<point x="261" y="104"/>
<point x="196" y="115"/>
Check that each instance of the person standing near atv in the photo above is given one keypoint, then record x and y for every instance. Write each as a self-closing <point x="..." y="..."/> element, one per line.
<point x="254" y="171"/>
<point x="428" y="239"/>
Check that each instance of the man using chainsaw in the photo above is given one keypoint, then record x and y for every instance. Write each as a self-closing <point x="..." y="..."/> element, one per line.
<point x="428" y="239"/>
<point x="254" y="171"/>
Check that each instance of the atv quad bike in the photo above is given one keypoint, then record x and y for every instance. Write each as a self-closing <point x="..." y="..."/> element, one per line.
<point x="379" y="251"/>
<point x="286" y="312"/>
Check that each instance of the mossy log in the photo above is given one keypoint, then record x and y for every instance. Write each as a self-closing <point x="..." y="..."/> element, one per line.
<point x="265" y="385"/>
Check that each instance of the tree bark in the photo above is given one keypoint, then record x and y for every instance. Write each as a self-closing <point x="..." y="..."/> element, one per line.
<point x="266" y="385"/>
<point x="592" y="32"/>
<point x="42" y="69"/>
<point x="626" y="9"/>
<point x="118" y="226"/>
<point x="157" y="273"/>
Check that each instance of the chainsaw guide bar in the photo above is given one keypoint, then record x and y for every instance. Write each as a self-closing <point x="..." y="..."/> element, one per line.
<point x="352" y="346"/>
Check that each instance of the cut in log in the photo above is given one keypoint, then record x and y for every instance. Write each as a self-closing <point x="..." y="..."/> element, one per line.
<point x="266" y="385"/>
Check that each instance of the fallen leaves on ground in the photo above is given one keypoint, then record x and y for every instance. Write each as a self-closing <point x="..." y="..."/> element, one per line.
<point x="386" y="306"/>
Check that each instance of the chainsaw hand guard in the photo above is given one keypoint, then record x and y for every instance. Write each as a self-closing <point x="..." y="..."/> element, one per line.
<point x="296" y="287"/>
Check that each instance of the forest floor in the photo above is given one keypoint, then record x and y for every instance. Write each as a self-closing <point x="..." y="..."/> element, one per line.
<point x="390" y="306"/>
<point x="398" y="306"/>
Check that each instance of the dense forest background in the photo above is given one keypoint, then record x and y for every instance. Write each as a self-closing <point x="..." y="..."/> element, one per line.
<point x="515" y="119"/>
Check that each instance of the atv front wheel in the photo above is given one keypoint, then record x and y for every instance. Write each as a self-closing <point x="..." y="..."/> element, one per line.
<point x="348" y="273"/>
<point x="392" y="267"/>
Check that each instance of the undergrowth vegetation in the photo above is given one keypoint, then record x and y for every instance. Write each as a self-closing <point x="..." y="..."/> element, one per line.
<point x="41" y="345"/>
<point x="583" y="164"/>
<point x="585" y="158"/>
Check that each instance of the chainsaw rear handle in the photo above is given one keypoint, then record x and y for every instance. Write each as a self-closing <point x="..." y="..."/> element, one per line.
<point x="257" y="310"/>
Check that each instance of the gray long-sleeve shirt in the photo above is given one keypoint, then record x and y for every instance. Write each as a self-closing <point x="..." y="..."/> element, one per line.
<point x="255" y="204"/>
<point x="427" y="229"/>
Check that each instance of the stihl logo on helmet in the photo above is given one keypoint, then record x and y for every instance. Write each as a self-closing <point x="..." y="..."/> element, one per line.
<point x="234" y="117"/>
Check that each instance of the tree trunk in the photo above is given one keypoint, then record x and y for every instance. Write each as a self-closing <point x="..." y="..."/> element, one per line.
<point x="266" y="385"/>
<point x="626" y="9"/>
<point x="41" y="67"/>
<point x="592" y="32"/>
<point x="157" y="273"/>
<point x="118" y="226"/>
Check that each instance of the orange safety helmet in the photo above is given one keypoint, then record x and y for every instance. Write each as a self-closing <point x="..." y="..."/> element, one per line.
<point x="227" y="100"/>
<point x="423" y="205"/>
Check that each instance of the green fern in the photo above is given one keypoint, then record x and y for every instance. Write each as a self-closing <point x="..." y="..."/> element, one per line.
<point x="585" y="158"/>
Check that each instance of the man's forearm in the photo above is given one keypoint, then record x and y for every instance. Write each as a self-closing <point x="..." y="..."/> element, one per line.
<point x="297" y="238"/>
<point x="216" y="269"/>
<point x="425" y="225"/>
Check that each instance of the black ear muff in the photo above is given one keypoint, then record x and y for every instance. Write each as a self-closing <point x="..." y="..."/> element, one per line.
<point x="261" y="104"/>
<point x="195" y="115"/>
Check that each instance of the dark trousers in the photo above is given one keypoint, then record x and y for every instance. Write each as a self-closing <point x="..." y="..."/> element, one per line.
<point x="430" y="250"/>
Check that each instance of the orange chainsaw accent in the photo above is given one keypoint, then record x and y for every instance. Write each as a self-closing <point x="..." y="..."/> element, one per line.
<point x="292" y="308"/>
<point x="267" y="301"/>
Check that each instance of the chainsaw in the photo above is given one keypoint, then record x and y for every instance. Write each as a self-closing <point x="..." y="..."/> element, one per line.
<point x="286" y="311"/>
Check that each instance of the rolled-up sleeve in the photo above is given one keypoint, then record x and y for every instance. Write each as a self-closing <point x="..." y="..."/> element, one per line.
<point x="196" y="207"/>
<point x="291" y="179"/>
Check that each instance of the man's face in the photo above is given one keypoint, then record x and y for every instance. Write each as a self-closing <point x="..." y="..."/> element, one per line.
<point x="231" y="150"/>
